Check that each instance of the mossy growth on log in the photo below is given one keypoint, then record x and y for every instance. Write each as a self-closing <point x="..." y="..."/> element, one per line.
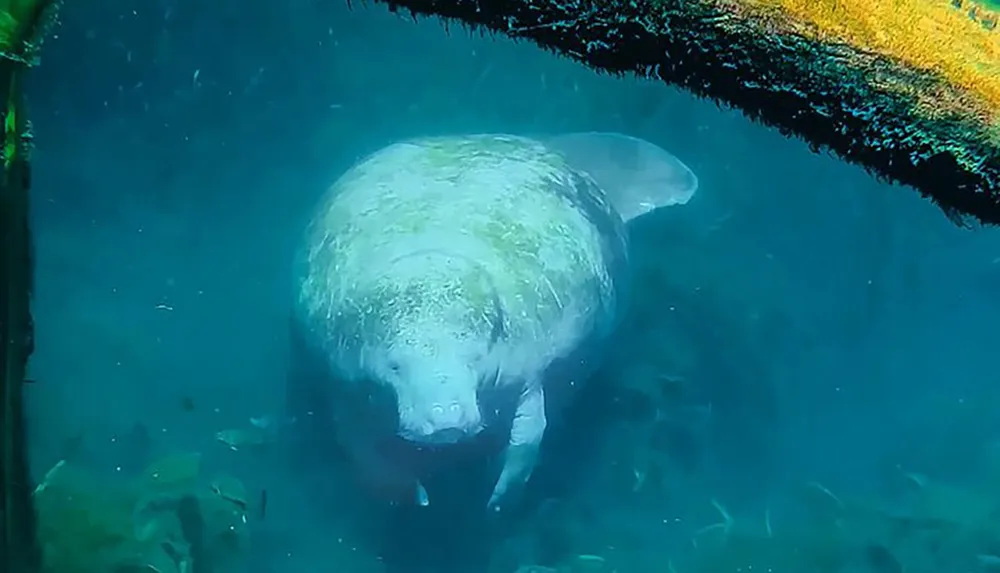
<point x="908" y="89"/>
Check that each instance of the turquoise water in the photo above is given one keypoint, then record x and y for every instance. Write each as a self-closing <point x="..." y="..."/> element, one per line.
<point x="809" y="351"/>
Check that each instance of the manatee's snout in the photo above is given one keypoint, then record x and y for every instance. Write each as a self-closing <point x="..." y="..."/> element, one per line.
<point x="440" y="418"/>
<point x="451" y="421"/>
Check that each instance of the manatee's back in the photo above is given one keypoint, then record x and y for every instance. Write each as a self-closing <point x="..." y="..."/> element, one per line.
<point x="553" y="249"/>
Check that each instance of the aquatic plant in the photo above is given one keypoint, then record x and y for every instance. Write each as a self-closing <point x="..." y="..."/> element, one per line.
<point x="935" y="526"/>
<point x="23" y="24"/>
<point x="927" y="527"/>
<point x="85" y="524"/>
<point x="166" y="521"/>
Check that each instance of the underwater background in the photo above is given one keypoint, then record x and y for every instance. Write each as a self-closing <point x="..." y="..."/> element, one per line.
<point x="806" y="381"/>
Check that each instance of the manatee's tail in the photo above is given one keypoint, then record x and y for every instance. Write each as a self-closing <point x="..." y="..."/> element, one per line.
<point x="636" y="175"/>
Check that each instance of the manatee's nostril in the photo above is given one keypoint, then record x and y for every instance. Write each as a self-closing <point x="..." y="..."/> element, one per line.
<point x="437" y="410"/>
<point x="455" y="408"/>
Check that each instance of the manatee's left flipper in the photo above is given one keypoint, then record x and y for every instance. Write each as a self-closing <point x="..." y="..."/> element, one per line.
<point x="526" y="434"/>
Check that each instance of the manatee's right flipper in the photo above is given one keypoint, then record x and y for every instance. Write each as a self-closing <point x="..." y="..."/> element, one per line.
<point x="636" y="175"/>
<point x="526" y="434"/>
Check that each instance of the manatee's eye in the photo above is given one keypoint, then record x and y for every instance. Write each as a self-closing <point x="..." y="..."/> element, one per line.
<point x="394" y="366"/>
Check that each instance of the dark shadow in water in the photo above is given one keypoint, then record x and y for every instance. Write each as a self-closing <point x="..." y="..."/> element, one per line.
<point x="456" y="532"/>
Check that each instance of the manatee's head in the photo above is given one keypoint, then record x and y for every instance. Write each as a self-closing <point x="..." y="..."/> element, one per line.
<point x="436" y="383"/>
<point x="437" y="346"/>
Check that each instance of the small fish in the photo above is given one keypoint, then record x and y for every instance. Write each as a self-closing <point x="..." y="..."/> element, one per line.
<point x="988" y="561"/>
<point x="48" y="477"/>
<point x="236" y="438"/>
<point x="917" y="479"/>
<point x="229" y="438"/>
<point x="233" y="499"/>
<point x="187" y="403"/>
<point x="422" y="499"/>
<point x="268" y="422"/>
<point x="262" y="422"/>
<point x="261" y="431"/>
<point x="262" y="504"/>
<point x="640" y="479"/>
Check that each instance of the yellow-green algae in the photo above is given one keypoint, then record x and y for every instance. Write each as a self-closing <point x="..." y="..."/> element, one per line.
<point x="909" y="89"/>
<point x="954" y="40"/>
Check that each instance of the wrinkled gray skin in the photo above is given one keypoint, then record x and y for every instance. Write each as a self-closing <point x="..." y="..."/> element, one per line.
<point x="458" y="283"/>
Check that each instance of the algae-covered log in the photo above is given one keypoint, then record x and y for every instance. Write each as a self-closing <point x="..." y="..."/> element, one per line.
<point x="909" y="89"/>
<point x="22" y="25"/>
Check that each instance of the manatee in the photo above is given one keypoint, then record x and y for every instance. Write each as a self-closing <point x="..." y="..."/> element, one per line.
<point x="642" y="176"/>
<point x="458" y="286"/>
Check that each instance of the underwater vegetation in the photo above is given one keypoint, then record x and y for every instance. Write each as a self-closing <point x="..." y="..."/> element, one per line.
<point x="934" y="526"/>
<point x="169" y="520"/>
